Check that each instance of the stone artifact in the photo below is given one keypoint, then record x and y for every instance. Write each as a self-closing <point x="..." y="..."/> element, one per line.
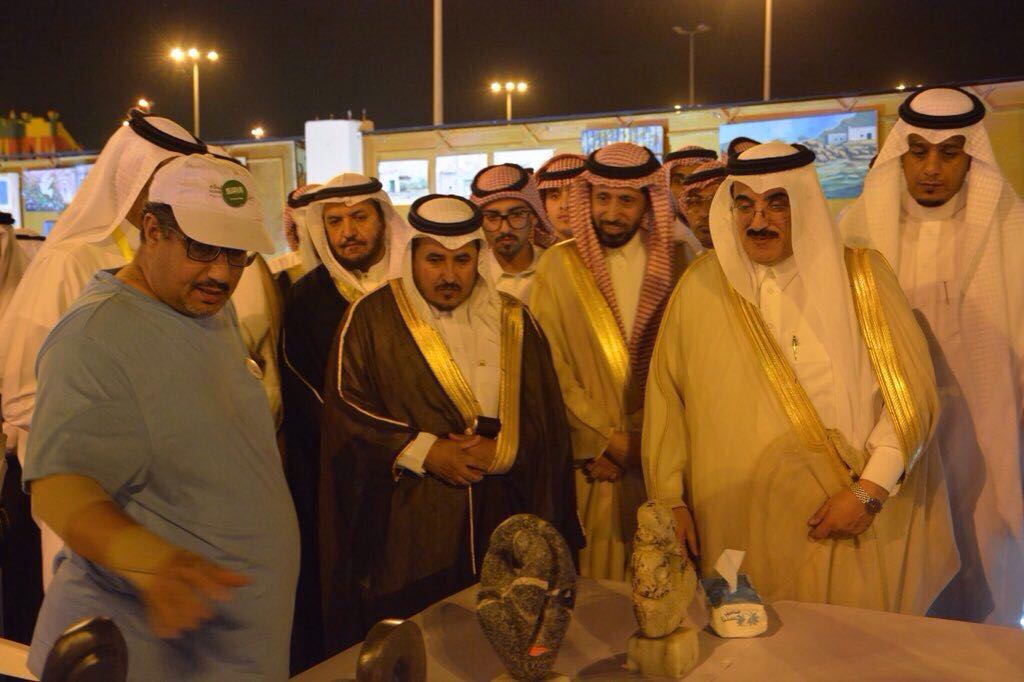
<point x="527" y="594"/>
<point x="393" y="651"/>
<point x="664" y="584"/>
<point x="736" y="609"/>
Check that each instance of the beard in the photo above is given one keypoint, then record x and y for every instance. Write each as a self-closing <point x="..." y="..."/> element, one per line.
<point x="508" y="248"/>
<point x="614" y="240"/>
<point x="364" y="261"/>
<point x="930" y="203"/>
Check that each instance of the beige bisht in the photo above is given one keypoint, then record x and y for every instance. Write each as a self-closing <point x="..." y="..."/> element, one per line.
<point x="601" y="365"/>
<point x="731" y="432"/>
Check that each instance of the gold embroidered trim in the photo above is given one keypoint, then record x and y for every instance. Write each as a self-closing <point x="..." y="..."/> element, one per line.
<point x="802" y="415"/>
<point x="509" y="388"/>
<point x="438" y="358"/>
<point x="122" y="244"/>
<point x="889" y="371"/>
<point x="599" y="317"/>
<point x="347" y="291"/>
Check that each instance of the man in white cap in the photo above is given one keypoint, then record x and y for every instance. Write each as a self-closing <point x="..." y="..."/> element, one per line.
<point x="791" y="401"/>
<point x="359" y="239"/>
<point x="99" y="230"/>
<point x="552" y="180"/>
<point x="442" y="418"/>
<point x="599" y="298"/>
<point x="678" y="166"/>
<point x="515" y="225"/>
<point x="153" y="453"/>
<point x="938" y="208"/>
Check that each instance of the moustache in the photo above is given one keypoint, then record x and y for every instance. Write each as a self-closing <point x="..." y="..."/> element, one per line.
<point x="614" y="223"/>
<point x="211" y="284"/>
<point x="448" y="286"/>
<point x="763" y="233"/>
<point x="351" y="242"/>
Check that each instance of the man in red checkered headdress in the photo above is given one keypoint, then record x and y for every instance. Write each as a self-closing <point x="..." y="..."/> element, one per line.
<point x="599" y="298"/>
<point x="515" y="225"/>
<point x="552" y="180"/>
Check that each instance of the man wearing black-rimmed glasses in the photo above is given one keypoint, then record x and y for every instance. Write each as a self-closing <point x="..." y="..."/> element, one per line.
<point x="153" y="453"/>
<point x="515" y="225"/>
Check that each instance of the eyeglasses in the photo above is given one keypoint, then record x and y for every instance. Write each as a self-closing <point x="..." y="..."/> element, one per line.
<point x="207" y="253"/>
<point x="517" y="219"/>
<point x="774" y="210"/>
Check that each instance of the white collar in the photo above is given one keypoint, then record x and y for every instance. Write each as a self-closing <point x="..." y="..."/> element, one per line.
<point x="783" y="272"/>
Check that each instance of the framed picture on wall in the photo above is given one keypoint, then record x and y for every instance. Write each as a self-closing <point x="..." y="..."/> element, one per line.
<point x="843" y="144"/>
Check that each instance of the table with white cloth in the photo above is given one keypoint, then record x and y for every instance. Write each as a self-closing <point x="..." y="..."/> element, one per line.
<point x="803" y="641"/>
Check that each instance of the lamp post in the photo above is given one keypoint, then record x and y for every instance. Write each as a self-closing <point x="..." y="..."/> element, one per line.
<point x="767" y="50"/>
<point x="689" y="33"/>
<point x="509" y="87"/>
<point x="179" y="55"/>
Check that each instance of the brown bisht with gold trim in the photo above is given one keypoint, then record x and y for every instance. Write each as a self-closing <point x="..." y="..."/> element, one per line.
<point x="392" y="543"/>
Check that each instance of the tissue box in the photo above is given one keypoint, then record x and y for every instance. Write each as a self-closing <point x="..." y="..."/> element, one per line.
<point x="739" y="614"/>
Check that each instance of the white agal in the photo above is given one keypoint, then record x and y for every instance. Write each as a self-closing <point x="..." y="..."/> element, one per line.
<point x="332" y="148"/>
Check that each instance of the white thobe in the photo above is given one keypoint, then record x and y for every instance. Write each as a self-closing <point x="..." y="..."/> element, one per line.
<point x="930" y="240"/>
<point x="476" y="349"/>
<point x="517" y="284"/>
<point x="626" y="267"/>
<point x="56" y="277"/>
<point x="782" y="300"/>
<point x="681" y="232"/>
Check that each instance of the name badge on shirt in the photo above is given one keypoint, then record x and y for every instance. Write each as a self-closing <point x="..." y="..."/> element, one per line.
<point x="254" y="368"/>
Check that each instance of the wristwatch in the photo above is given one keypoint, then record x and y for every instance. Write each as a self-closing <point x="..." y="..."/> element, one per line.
<point x="871" y="504"/>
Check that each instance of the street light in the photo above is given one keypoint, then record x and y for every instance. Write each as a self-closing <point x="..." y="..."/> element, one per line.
<point x="509" y="87"/>
<point x="701" y="28"/>
<point x="258" y="132"/>
<point x="193" y="53"/>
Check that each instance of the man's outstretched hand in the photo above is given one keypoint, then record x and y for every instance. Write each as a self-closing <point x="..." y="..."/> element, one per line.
<point x="179" y="596"/>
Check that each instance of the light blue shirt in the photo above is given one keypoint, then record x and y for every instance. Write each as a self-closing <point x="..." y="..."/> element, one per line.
<point x="162" y="411"/>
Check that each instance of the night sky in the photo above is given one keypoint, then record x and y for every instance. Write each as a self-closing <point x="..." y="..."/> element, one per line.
<point x="285" y="62"/>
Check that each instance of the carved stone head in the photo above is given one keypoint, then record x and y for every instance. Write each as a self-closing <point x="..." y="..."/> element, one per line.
<point x="664" y="581"/>
<point x="527" y="594"/>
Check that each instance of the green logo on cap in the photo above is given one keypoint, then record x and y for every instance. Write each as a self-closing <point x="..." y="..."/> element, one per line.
<point x="234" y="193"/>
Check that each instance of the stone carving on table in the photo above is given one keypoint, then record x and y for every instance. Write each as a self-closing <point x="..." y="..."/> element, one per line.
<point x="736" y="609"/>
<point x="527" y="594"/>
<point x="664" y="584"/>
<point x="393" y="651"/>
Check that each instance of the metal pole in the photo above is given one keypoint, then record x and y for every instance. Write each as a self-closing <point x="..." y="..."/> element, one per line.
<point x="195" y="97"/>
<point x="690" y="36"/>
<point x="438" y="64"/>
<point x="767" y="50"/>
<point x="508" y="105"/>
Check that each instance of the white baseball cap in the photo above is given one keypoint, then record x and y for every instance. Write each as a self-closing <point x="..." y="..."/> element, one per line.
<point x="214" y="202"/>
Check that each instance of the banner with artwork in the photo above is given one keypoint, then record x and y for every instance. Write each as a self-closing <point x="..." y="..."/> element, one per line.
<point x="843" y="144"/>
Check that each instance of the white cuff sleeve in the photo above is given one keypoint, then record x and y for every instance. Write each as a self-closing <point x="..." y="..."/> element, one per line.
<point x="884" y="468"/>
<point x="414" y="454"/>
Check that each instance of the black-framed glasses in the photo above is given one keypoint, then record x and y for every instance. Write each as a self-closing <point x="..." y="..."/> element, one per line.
<point x="207" y="253"/>
<point x="517" y="219"/>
